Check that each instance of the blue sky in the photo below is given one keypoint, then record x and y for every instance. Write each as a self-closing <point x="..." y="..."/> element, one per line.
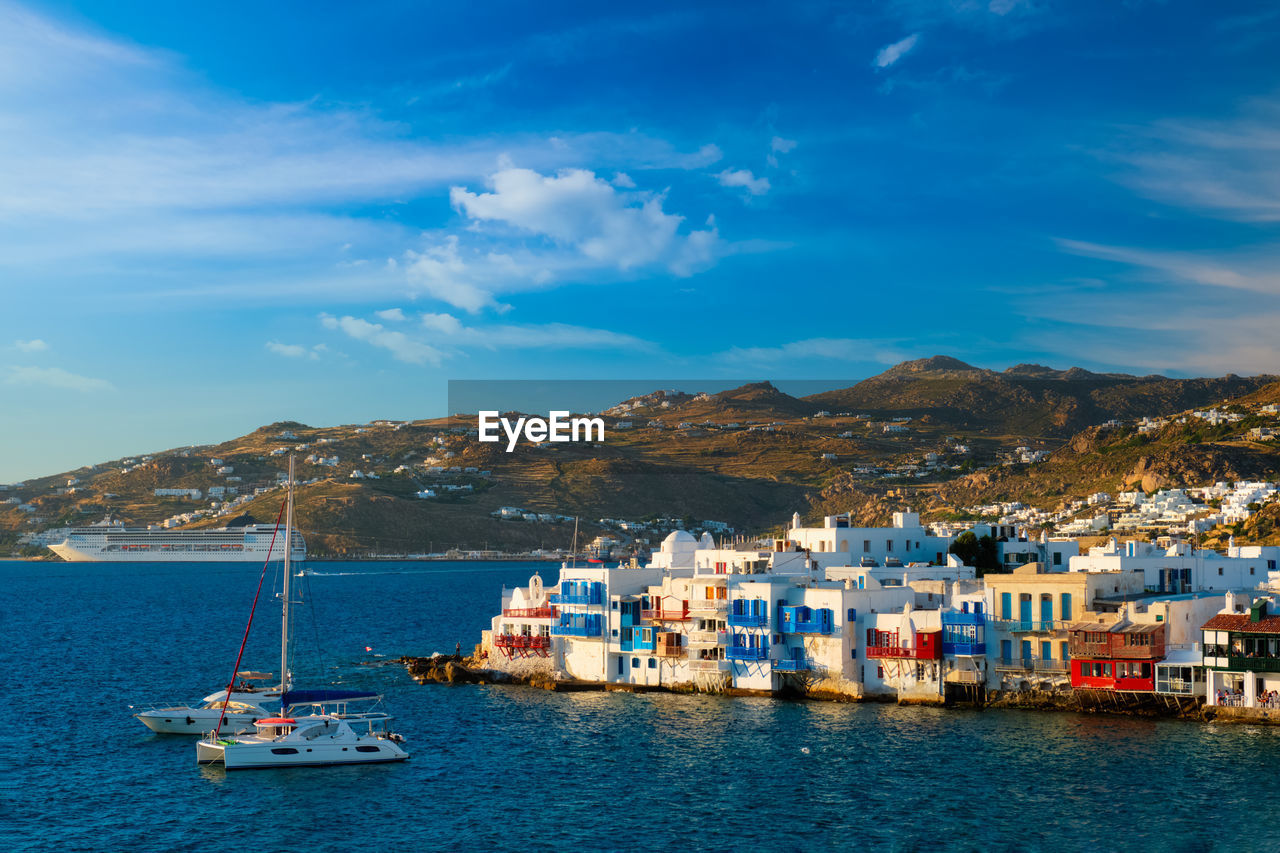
<point x="217" y="218"/>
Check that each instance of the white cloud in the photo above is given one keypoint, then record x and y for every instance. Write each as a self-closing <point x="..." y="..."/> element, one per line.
<point x="400" y="345"/>
<point x="445" y="336"/>
<point x="782" y="146"/>
<point x="35" y="345"/>
<point x="743" y="178"/>
<point x="823" y="349"/>
<point x="294" y="350"/>
<point x="446" y="324"/>
<point x="623" y="180"/>
<point x="1225" y="168"/>
<point x="1255" y="274"/>
<point x="582" y="227"/>
<point x="391" y="315"/>
<point x="56" y="377"/>
<point x="891" y="53"/>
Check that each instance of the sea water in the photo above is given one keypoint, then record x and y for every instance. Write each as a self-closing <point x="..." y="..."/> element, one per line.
<point x="515" y="768"/>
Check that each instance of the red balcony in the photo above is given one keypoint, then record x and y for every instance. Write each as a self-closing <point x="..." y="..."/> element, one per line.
<point x="544" y="612"/>
<point x="513" y="644"/>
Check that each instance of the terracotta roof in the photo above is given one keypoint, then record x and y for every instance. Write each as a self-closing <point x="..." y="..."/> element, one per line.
<point x="1240" y="622"/>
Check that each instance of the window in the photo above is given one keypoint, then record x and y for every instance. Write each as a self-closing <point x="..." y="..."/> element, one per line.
<point x="615" y="605"/>
<point x="653" y="663"/>
<point x="888" y="546"/>
<point x="284" y="750"/>
<point x="635" y="663"/>
<point x="1057" y="558"/>
<point x="879" y="672"/>
<point x="866" y="546"/>
<point x="367" y="749"/>
<point x="1219" y="570"/>
<point x="1251" y="570"/>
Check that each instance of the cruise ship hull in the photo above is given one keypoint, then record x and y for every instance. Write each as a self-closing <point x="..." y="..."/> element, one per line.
<point x="73" y="554"/>
<point x="115" y="544"/>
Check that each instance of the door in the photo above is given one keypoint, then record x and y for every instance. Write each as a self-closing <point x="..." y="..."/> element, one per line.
<point x="1006" y="606"/>
<point x="1026" y="650"/>
<point x="1006" y="649"/>
<point x="1024" y="608"/>
<point x="1046" y="610"/>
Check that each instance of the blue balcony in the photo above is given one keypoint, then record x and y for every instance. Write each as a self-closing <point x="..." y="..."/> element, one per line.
<point x="560" y="598"/>
<point x="793" y="665"/>
<point x="748" y="620"/>
<point x="746" y="653"/>
<point x="963" y="648"/>
<point x="575" y="630"/>
<point x="976" y="620"/>
<point x="805" y="620"/>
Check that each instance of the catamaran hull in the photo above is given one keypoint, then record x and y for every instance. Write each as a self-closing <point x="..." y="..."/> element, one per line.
<point x="266" y="757"/>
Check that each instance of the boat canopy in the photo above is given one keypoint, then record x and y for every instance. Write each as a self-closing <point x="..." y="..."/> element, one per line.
<point x="312" y="697"/>
<point x="277" y="721"/>
<point x="253" y="675"/>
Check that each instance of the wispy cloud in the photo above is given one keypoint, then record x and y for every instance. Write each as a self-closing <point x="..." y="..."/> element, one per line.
<point x="440" y="336"/>
<point x="891" y="53"/>
<point x="1257" y="274"/>
<point x="56" y="378"/>
<point x="744" y="179"/>
<point x="881" y="351"/>
<point x="401" y="346"/>
<point x="293" y="350"/>
<point x="1227" y="168"/>
<point x="35" y="345"/>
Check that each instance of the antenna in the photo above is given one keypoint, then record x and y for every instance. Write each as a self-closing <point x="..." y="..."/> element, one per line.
<point x="574" y="556"/>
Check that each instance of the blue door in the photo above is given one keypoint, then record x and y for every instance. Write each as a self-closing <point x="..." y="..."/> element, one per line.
<point x="1046" y="609"/>
<point x="1006" y="649"/>
<point x="1065" y="610"/>
<point x="1006" y="605"/>
<point x="1024" y="610"/>
<point x="1026" y="650"/>
<point x="1046" y="651"/>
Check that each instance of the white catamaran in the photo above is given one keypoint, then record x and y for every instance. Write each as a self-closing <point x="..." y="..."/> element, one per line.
<point x="317" y="739"/>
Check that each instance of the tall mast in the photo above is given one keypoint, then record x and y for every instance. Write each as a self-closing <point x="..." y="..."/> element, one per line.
<point x="288" y="571"/>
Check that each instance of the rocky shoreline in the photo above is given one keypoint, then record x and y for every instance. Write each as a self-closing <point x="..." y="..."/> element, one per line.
<point x="459" y="669"/>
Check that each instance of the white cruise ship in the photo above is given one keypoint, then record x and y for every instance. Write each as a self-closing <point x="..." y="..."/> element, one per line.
<point x="116" y="543"/>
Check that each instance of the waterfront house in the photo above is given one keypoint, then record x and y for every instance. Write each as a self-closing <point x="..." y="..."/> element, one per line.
<point x="1242" y="654"/>
<point x="1029" y="610"/>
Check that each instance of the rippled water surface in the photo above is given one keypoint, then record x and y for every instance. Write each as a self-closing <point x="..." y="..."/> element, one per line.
<point x="517" y="768"/>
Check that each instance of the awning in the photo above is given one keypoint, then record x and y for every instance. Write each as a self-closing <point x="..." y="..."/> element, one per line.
<point x="315" y="697"/>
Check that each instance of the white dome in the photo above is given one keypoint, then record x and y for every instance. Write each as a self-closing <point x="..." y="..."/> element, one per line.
<point x="679" y="541"/>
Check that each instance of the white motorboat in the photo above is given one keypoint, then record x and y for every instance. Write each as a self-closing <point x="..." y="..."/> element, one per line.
<point x="243" y="709"/>
<point x="315" y="741"/>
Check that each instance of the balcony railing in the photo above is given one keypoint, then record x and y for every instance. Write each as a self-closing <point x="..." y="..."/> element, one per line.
<point x="669" y="651"/>
<point x="1258" y="664"/>
<point x="575" y="630"/>
<point x="962" y="649"/>
<point x="709" y="665"/>
<point x="1032" y="665"/>
<point x="709" y="605"/>
<point x="793" y="665"/>
<point x="748" y="620"/>
<point x="966" y="676"/>
<point x="974" y="619"/>
<point x="659" y="615"/>
<point x="585" y="598"/>
<point x="746" y="653"/>
<point x="1028" y="626"/>
<point x="899" y="652"/>
<point x="708" y="638"/>
<point x="547" y="612"/>
<point x="519" y="641"/>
